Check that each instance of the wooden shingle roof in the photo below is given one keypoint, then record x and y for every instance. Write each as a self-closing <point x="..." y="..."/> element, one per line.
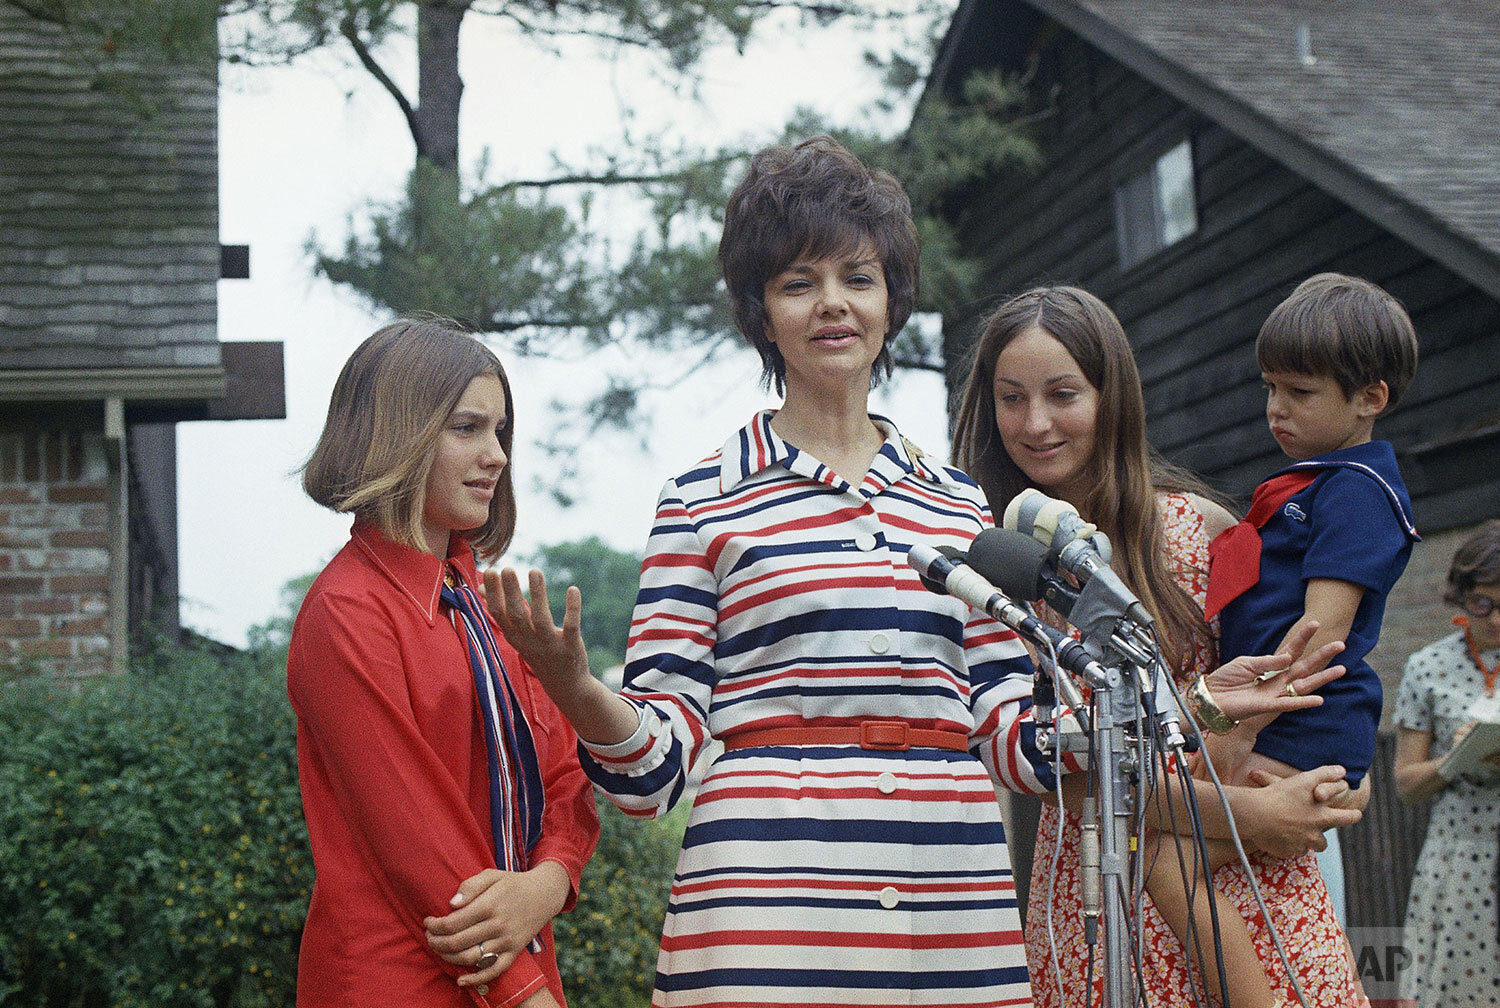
<point x="109" y="245"/>
<point x="1391" y="107"/>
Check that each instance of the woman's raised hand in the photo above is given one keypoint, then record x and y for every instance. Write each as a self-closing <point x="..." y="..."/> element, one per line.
<point x="1261" y="686"/>
<point x="556" y="654"/>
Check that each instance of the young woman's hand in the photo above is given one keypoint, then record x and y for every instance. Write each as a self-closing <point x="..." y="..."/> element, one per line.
<point x="500" y="910"/>
<point x="1288" y="816"/>
<point x="1254" y="688"/>
<point x="556" y="654"/>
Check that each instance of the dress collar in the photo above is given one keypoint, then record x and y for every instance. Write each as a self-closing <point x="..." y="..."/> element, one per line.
<point x="1375" y="459"/>
<point x="1490" y="673"/>
<point x="756" y="447"/>
<point x="417" y="575"/>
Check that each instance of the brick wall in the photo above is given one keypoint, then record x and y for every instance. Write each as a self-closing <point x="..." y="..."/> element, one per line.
<point x="54" y="549"/>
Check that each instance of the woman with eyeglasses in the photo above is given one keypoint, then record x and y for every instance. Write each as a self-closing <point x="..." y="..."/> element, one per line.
<point x="1452" y="922"/>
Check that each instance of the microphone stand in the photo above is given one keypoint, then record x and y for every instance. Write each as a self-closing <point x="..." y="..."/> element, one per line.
<point x="1105" y="843"/>
<point x="1115" y="631"/>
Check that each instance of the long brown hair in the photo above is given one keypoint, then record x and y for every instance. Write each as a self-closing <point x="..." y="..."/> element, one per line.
<point x="388" y="409"/>
<point x="1125" y="474"/>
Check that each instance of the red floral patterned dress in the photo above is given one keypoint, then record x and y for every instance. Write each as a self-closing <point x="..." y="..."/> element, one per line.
<point x="1292" y="889"/>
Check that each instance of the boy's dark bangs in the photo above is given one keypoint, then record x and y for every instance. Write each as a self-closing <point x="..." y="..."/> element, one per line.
<point x="1290" y="341"/>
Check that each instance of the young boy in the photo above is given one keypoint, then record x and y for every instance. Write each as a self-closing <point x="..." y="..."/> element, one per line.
<point x="1325" y="540"/>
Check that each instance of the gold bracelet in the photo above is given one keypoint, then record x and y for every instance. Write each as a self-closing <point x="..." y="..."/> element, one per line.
<point x="1207" y="712"/>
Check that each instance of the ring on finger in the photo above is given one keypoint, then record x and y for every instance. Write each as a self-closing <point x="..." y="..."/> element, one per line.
<point x="1291" y="689"/>
<point x="486" y="959"/>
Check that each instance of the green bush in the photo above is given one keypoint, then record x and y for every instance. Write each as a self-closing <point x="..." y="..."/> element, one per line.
<point x="153" y="851"/>
<point x="607" y="946"/>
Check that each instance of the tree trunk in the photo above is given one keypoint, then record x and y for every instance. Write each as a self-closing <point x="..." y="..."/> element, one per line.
<point x="439" y="87"/>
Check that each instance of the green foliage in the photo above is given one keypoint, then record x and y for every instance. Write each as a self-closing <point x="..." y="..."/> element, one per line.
<point x="607" y="578"/>
<point x="135" y="31"/>
<point x="153" y="851"/>
<point x="496" y="261"/>
<point x="607" y="946"/>
<point x="152" y="848"/>
<point x="271" y="637"/>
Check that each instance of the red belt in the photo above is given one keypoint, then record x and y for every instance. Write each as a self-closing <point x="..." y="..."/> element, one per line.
<point x="892" y="735"/>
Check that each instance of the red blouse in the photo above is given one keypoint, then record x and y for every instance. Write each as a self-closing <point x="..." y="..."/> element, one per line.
<point x="395" y="787"/>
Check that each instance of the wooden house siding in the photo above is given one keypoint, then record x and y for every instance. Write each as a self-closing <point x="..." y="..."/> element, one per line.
<point x="110" y="211"/>
<point x="1193" y="309"/>
<point x="1359" y="162"/>
<point x="109" y="269"/>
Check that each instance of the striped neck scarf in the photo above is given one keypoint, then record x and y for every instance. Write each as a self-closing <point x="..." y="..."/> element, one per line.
<point x="516" y="796"/>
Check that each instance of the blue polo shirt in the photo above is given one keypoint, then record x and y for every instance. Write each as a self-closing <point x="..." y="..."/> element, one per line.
<point x="1353" y="523"/>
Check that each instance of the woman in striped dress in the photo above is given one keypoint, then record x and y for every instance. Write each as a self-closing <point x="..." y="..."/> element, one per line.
<point x="847" y="847"/>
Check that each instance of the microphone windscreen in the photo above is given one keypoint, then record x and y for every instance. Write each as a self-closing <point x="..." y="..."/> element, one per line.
<point x="1011" y="561"/>
<point x="1020" y="513"/>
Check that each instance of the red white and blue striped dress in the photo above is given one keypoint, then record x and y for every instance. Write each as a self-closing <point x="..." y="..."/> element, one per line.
<point x="775" y="595"/>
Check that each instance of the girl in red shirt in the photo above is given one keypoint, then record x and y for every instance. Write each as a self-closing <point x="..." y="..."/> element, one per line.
<point x="448" y="816"/>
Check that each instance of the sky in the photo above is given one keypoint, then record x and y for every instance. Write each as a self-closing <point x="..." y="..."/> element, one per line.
<point x="302" y="149"/>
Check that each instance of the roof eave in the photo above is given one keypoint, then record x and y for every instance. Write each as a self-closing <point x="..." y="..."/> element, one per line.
<point x="133" y="385"/>
<point x="1381" y="204"/>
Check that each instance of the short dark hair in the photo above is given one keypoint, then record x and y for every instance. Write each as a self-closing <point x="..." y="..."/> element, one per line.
<point x="1344" y="328"/>
<point x="815" y="199"/>
<point x="1477" y="562"/>
<point x="388" y="409"/>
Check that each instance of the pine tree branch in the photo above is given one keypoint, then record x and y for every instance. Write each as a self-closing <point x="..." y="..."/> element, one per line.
<point x="608" y="178"/>
<point x="822" y="10"/>
<point x="916" y="364"/>
<point x="497" y="326"/>
<point x="350" y="31"/>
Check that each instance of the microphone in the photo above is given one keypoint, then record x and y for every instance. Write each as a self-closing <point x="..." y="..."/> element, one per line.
<point x="1073" y="545"/>
<point x="945" y="572"/>
<point x="1101" y="609"/>
<point x="1018" y="564"/>
<point x="950" y="575"/>
<point x="1053" y="523"/>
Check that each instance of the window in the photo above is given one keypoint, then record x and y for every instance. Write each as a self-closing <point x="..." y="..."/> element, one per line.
<point x="1157" y="207"/>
